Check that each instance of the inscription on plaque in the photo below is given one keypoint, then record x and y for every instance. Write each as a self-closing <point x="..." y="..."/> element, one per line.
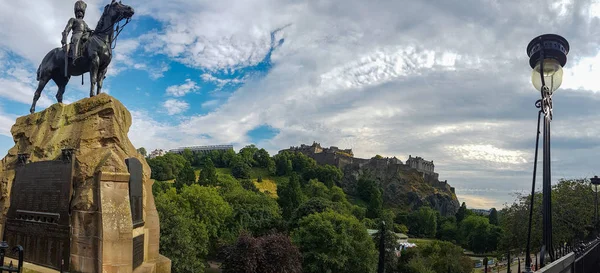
<point x="135" y="191"/>
<point x="138" y="251"/>
<point x="38" y="216"/>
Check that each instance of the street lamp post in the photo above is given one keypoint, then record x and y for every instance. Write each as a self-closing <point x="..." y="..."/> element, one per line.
<point x="595" y="183"/>
<point x="547" y="55"/>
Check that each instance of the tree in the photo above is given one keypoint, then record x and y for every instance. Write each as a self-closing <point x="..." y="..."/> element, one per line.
<point x="248" y="154"/>
<point x="248" y="185"/>
<point x="332" y="242"/>
<point x="208" y="174"/>
<point x="290" y="196"/>
<point x="283" y="165"/>
<point x="312" y="205"/>
<point x="217" y="157"/>
<point x="399" y="228"/>
<point x="183" y="239"/>
<point x="448" y="230"/>
<point x="186" y="176"/>
<point x="377" y="157"/>
<point x="268" y="254"/>
<point x="176" y="161"/>
<point x="262" y="158"/>
<point x="142" y="151"/>
<point x="271" y="166"/>
<point x="239" y="168"/>
<point x="461" y="213"/>
<point x="571" y="214"/>
<point x="226" y="158"/>
<point x="391" y="242"/>
<point x="474" y="231"/>
<point x="160" y="187"/>
<point x="302" y="163"/>
<point x="446" y="257"/>
<point x="423" y="222"/>
<point x="314" y="188"/>
<point x="493" y="217"/>
<point x="328" y="174"/>
<point x="252" y="211"/>
<point x="188" y="155"/>
<point x="161" y="170"/>
<point x="369" y="191"/>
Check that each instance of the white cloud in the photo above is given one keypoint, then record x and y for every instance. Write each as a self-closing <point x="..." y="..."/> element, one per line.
<point x="15" y="90"/>
<point x="6" y="122"/>
<point x="181" y="90"/>
<point x="174" y="106"/>
<point x="124" y="59"/>
<point x="488" y="152"/>
<point x="206" y="77"/>
<point x="210" y="104"/>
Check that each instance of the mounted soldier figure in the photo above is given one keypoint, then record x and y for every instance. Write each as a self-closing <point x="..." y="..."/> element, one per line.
<point x="91" y="50"/>
<point x="80" y="30"/>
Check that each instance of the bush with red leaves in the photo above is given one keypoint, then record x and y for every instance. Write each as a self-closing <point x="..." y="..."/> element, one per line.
<point x="267" y="254"/>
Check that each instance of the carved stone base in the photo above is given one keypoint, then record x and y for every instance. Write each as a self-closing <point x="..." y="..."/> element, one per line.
<point x="103" y="228"/>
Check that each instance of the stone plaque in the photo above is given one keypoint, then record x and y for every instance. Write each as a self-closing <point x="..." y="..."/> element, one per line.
<point x="135" y="191"/>
<point x="138" y="251"/>
<point x="38" y="217"/>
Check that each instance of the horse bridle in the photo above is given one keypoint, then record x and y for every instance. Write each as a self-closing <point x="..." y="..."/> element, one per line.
<point x="113" y="40"/>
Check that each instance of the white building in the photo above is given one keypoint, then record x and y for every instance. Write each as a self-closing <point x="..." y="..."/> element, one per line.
<point x="157" y="152"/>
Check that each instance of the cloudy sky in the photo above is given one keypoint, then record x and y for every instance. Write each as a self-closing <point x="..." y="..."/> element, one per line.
<point x="447" y="80"/>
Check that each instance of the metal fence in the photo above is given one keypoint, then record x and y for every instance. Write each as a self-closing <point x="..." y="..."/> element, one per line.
<point x="585" y="258"/>
<point x="18" y="251"/>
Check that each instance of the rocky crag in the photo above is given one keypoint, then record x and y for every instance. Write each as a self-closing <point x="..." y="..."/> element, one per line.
<point x="101" y="217"/>
<point x="405" y="186"/>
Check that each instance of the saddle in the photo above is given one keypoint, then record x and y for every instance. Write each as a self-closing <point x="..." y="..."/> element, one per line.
<point x="82" y="45"/>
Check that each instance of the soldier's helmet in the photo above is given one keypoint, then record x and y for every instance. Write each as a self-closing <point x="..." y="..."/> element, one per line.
<point x="80" y="6"/>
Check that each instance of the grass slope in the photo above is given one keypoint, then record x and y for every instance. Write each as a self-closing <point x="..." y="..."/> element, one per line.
<point x="268" y="184"/>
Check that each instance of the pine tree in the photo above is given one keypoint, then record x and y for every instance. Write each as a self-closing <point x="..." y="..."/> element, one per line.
<point x="493" y="217"/>
<point x="462" y="213"/>
<point x="290" y="196"/>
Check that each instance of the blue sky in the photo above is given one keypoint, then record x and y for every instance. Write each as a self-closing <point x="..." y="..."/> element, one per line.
<point x="445" y="80"/>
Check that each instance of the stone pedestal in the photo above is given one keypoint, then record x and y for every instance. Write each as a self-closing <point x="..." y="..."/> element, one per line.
<point x="104" y="237"/>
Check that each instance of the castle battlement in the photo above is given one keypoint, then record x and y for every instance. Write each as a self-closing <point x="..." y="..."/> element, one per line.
<point x="341" y="157"/>
<point x="316" y="148"/>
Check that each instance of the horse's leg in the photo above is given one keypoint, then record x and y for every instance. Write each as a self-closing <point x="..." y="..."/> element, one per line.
<point x="61" y="83"/>
<point x="101" y="76"/>
<point x="38" y="92"/>
<point x="95" y="62"/>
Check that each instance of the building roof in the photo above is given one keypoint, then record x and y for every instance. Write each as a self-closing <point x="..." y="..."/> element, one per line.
<point x="203" y="148"/>
<point x="374" y="231"/>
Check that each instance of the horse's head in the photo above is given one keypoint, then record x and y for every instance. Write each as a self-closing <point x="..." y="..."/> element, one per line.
<point x="117" y="11"/>
<point x="113" y="13"/>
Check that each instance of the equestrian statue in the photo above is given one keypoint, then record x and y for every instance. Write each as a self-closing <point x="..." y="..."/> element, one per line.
<point x="89" y="50"/>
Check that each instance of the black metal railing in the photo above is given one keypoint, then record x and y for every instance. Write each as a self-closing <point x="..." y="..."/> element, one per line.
<point x="18" y="251"/>
<point x="584" y="257"/>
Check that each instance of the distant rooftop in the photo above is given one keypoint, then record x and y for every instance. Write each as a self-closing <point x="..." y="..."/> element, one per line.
<point x="203" y="148"/>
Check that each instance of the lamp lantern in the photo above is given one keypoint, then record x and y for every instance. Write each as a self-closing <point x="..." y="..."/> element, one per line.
<point x="547" y="56"/>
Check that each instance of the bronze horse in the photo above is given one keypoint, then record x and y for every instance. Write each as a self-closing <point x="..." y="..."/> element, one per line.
<point x="95" y="57"/>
